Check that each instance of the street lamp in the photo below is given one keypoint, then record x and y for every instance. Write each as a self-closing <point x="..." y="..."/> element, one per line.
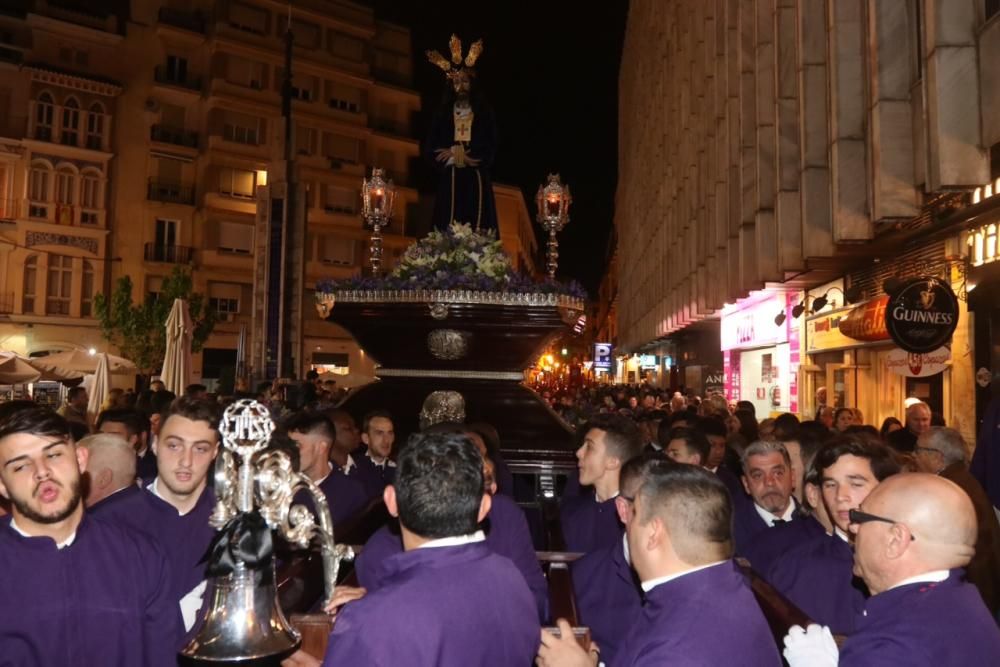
<point x="553" y="200"/>
<point x="377" y="198"/>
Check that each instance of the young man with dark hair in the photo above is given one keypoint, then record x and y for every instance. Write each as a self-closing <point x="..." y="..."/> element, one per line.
<point x="714" y="430"/>
<point x="315" y="434"/>
<point x="686" y="445"/>
<point x="75" y="407"/>
<point x="590" y="521"/>
<point x="817" y="574"/>
<point x="699" y="609"/>
<point x="176" y="505"/>
<point x="449" y="600"/>
<point x="376" y="469"/>
<point x="76" y="589"/>
<point x="133" y="426"/>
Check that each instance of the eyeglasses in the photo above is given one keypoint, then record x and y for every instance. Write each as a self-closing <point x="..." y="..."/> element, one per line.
<point x="859" y="517"/>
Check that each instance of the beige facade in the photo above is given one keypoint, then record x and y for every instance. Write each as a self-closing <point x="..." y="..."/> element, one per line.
<point x="779" y="144"/>
<point x="130" y="148"/>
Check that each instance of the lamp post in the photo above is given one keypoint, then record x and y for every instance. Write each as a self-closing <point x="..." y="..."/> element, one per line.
<point x="553" y="200"/>
<point x="377" y="199"/>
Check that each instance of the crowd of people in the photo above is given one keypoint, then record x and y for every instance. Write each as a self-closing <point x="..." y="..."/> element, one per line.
<point x="881" y="537"/>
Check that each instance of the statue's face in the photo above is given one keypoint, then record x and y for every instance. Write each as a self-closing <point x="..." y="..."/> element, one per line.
<point x="461" y="83"/>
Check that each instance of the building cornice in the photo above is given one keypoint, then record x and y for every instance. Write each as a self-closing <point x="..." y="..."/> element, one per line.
<point x="51" y="75"/>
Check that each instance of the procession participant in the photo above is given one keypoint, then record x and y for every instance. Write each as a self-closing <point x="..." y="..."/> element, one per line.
<point x="767" y="479"/>
<point x="376" y="469"/>
<point x="110" y="470"/>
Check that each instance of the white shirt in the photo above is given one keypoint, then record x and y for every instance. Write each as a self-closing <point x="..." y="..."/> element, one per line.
<point x="348" y="466"/>
<point x="455" y="541"/>
<point x="769" y="518"/>
<point x="59" y="545"/>
<point x="613" y="495"/>
<point x="841" y="534"/>
<point x="653" y="583"/>
<point x="386" y="462"/>
<point x="934" y="576"/>
<point x="628" y="556"/>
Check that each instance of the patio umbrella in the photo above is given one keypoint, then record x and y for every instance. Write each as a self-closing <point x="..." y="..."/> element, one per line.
<point x="176" y="371"/>
<point x="82" y="361"/>
<point x="99" y="389"/>
<point x="17" y="370"/>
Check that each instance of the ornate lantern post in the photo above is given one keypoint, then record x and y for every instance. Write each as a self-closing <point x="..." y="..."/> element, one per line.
<point x="553" y="200"/>
<point x="377" y="199"/>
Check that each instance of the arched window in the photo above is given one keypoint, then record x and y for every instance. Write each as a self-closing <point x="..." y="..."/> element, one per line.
<point x="39" y="189"/>
<point x="87" y="303"/>
<point x="28" y="286"/>
<point x="70" y="134"/>
<point x="44" y="113"/>
<point x="60" y="285"/>
<point x="95" y="127"/>
<point x="65" y="191"/>
<point x="91" y="196"/>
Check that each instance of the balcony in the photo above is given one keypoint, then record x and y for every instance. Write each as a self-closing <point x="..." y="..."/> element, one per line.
<point x="172" y="135"/>
<point x="172" y="78"/>
<point x="185" y="20"/>
<point x="168" y="254"/>
<point x="170" y="193"/>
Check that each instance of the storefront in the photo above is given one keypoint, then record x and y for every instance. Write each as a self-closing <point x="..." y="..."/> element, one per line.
<point x="982" y="244"/>
<point x="760" y="352"/>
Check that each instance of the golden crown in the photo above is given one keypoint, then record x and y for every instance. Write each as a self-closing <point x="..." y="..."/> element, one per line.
<point x="453" y="67"/>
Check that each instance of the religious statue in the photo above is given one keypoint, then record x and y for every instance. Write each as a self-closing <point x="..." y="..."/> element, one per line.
<point x="462" y="144"/>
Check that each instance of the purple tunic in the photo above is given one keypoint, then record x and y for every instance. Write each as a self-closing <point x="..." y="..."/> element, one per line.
<point x="772" y="544"/>
<point x="924" y="625"/>
<point x="345" y="495"/>
<point x="127" y="496"/>
<point x="145" y="466"/>
<point x="818" y="577"/>
<point x="506" y="535"/>
<point x="102" y="600"/>
<point x="588" y="525"/>
<point x="440" y="607"/>
<point x="708" y="617"/>
<point x="608" y="597"/>
<point x="749" y="526"/>
<point x="373" y="477"/>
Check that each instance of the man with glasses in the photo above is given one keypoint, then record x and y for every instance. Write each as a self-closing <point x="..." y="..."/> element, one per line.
<point x="942" y="451"/>
<point x="913" y="535"/>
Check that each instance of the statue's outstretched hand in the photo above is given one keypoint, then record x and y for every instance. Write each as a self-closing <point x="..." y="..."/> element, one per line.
<point x="442" y="154"/>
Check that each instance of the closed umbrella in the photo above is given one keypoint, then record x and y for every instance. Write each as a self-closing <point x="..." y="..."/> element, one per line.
<point x="348" y="380"/>
<point x="17" y="370"/>
<point x="99" y="389"/>
<point x="176" y="371"/>
<point x="82" y="361"/>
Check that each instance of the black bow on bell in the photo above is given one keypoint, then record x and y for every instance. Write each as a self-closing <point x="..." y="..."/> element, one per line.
<point x="246" y="538"/>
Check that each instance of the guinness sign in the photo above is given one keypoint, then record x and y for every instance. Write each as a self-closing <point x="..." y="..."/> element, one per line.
<point x="922" y="315"/>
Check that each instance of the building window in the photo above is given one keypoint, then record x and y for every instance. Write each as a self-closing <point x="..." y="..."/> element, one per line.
<point x="244" y="72"/>
<point x="224" y="306"/>
<point x="60" y="285"/>
<point x="305" y="140"/>
<point x="28" y="288"/>
<point x="341" y="148"/>
<point x="176" y="69"/>
<point x="65" y="186"/>
<point x="87" y="303"/>
<point x="340" y="200"/>
<point x="248" y="19"/>
<point x="343" y="97"/>
<point x="237" y="182"/>
<point x="44" y="114"/>
<point x="91" y="201"/>
<point x="338" y="251"/>
<point x="242" y="129"/>
<point x="166" y="233"/>
<point x="154" y="285"/>
<point x="224" y="299"/>
<point x="39" y="190"/>
<point x="95" y="127"/>
<point x="70" y="133"/>
<point x="235" y="238"/>
<point x="347" y="47"/>
<point x="307" y="35"/>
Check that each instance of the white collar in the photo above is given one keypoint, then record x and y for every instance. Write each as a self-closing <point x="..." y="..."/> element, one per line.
<point x="628" y="556"/>
<point x="154" y="488"/>
<point x="454" y="541"/>
<point x="350" y="464"/>
<point x="389" y="463"/>
<point x="769" y="518"/>
<point x="613" y="496"/>
<point x="59" y="545"/>
<point x="934" y="576"/>
<point x="653" y="583"/>
<point x="841" y="534"/>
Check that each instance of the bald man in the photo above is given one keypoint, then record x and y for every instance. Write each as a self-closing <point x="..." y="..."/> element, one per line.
<point x="111" y="471"/>
<point x="913" y="533"/>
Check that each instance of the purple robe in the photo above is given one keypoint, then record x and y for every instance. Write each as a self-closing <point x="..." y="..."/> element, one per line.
<point x="749" y="526"/>
<point x="985" y="465"/>
<point x="506" y="535"/>
<point x="924" y="625"/>
<point x="373" y="476"/>
<point x="772" y="544"/>
<point x="127" y="496"/>
<point x="440" y="607"/>
<point x="345" y="495"/>
<point x="103" y="600"/>
<point x="708" y="617"/>
<point x="608" y="597"/>
<point x="184" y="539"/>
<point x="145" y="466"/>
<point x="818" y="577"/>
<point x="588" y="525"/>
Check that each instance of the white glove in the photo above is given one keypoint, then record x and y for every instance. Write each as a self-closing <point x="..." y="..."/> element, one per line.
<point x="813" y="647"/>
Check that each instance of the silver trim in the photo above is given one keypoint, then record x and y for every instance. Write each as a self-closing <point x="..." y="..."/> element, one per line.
<point x="463" y="375"/>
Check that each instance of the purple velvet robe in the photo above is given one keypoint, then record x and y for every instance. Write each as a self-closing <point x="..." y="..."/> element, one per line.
<point x="818" y="577"/>
<point x="372" y="476"/>
<point x="588" y="525"/>
<point x="184" y="539"/>
<point x="924" y="625"/>
<point x="772" y="544"/>
<point x="708" y="617"/>
<point x="127" y="496"/>
<point x="506" y="535"/>
<point x="103" y="600"/>
<point x="608" y="597"/>
<point x="440" y="607"/>
<point x="145" y="466"/>
<point x="345" y="495"/>
<point x="749" y="526"/>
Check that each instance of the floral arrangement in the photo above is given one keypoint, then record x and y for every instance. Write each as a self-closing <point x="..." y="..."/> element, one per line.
<point x="459" y="258"/>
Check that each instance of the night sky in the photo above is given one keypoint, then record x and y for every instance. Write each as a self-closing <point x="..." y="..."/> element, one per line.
<point x="550" y="70"/>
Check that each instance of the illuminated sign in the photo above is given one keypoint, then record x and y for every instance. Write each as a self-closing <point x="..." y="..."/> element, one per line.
<point x="984" y="245"/>
<point x="648" y="361"/>
<point x="602" y="357"/>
